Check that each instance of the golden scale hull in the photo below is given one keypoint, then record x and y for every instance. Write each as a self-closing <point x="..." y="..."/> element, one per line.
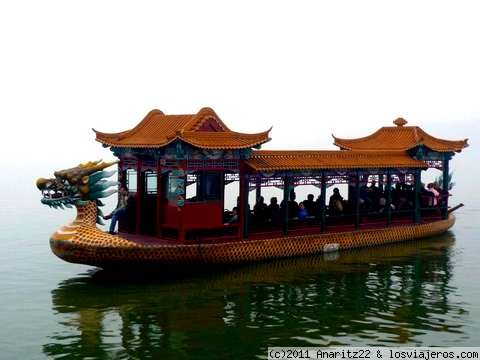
<point x="82" y="242"/>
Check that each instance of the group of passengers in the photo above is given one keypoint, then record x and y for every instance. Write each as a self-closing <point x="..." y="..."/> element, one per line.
<point x="273" y="212"/>
<point x="372" y="198"/>
<point x="433" y="195"/>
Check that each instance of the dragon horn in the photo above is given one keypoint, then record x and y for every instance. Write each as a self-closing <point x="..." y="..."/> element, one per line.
<point x="89" y="164"/>
<point x="94" y="167"/>
<point x="102" y="194"/>
<point x="97" y="176"/>
<point x="100" y="186"/>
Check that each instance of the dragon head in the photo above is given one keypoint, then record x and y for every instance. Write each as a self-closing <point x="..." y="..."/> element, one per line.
<point x="79" y="185"/>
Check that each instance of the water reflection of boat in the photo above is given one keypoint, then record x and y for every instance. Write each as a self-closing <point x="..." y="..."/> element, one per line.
<point x="398" y="293"/>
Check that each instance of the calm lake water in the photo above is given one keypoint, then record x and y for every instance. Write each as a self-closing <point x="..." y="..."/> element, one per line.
<point x="418" y="293"/>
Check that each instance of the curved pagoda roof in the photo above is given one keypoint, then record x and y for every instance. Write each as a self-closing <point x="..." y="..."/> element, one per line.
<point x="400" y="137"/>
<point x="203" y="129"/>
<point x="278" y="160"/>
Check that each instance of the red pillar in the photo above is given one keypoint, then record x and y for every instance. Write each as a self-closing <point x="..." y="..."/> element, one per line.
<point x="241" y="203"/>
<point x="159" y="199"/>
<point x="122" y="182"/>
<point x="181" y="217"/>
<point x="138" y="198"/>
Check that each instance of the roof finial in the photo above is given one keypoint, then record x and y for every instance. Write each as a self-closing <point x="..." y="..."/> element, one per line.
<point x="400" y="122"/>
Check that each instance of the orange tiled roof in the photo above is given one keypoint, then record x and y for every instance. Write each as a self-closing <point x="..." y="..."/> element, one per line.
<point x="400" y="137"/>
<point x="223" y="139"/>
<point x="276" y="160"/>
<point x="204" y="130"/>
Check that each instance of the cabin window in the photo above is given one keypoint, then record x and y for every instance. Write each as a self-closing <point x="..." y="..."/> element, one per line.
<point x="150" y="182"/>
<point x="213" y="185"/>
<point x="131" y="180"/>
<point x="204" y="186"/>
<point x="231" y="190"/>
<point x="194" y="189"/>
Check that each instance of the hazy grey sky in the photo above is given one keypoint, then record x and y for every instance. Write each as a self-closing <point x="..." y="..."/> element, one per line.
<point x="307" y="68"/>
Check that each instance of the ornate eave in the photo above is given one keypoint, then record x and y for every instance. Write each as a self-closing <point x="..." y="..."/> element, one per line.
<point x="203" y="130"/>
<point x="401" y="138"/>
<point x="278" y="160"/>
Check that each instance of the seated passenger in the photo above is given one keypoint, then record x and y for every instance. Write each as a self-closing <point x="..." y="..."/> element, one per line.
<point x="318" y="205"/>
<point x="399" y="197"/>
<point x="335" y="204"/>
<point x="382" y="204"/>
<point x="273" y="211"/>
<point x="425" y="196"/>
<point x="409" y="194"/>
<point x="310" y="205"/>
<point x="260" y="210"/>
<point x="302" y="211"/>
<point x="120" y="210"/>
<point x="238" y="204"/>
<point x="436" y="195"/>
<point x="234" y="218"/>
<point x="374" y="194"/>
<point x="444" y="194"/>
<point x="365" y="201"/>
<point x="292" y="205"/>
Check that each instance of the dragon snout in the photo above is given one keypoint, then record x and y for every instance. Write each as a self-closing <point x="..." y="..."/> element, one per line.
<point x="53" y="191"/>
<point x="42" y="183"/>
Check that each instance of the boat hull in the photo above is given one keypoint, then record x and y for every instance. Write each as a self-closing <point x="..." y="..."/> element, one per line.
<point x="88" y="245"/>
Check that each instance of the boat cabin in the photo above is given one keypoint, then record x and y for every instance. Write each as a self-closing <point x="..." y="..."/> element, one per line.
<point x="176" y="168"/>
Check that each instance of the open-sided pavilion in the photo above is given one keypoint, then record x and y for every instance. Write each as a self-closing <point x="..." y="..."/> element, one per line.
<point x="166" y="154"/>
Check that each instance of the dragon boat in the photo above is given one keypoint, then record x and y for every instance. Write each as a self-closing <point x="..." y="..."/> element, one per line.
<point x="182" y="170"/>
